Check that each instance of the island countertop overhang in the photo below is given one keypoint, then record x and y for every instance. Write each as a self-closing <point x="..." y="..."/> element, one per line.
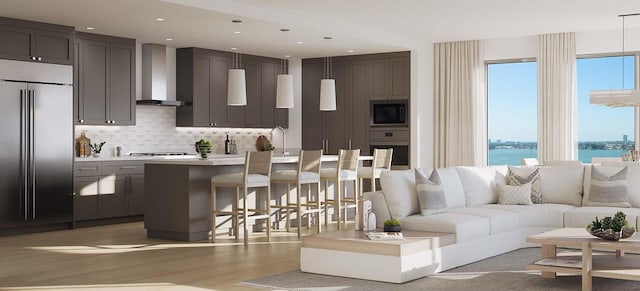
<point x="227" y="160"/>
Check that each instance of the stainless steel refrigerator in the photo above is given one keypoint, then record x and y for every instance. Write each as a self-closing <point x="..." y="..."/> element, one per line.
<point x="36" y="144"/>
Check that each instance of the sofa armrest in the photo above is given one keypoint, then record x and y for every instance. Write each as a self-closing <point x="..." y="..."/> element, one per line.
<point x="379" y="207"/>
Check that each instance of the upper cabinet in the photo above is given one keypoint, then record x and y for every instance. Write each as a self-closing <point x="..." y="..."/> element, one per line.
<point x="201" y="82"/>
<point x="34" y="41"/>
<point x="104" y="74"/>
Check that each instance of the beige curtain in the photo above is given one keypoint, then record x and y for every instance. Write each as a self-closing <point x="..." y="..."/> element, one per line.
<point x="557" y="97"/>
<point x="460" y="104"/>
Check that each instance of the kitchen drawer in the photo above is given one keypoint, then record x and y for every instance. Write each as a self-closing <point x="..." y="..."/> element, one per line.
<point x="123" y="168"/>
<point x="84" y="169"/>
<point x="388" y="134"/>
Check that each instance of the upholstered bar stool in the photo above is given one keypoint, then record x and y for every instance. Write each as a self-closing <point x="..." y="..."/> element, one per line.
<point x="256" y="174"/>
<point x="347" y="170"/>
<point x="308" y="173"/>
<point x="381" y="162"/>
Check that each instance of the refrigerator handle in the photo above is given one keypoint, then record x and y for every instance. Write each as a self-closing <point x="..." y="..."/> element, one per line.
<point x="32" y="158"/>
<point x="23" y="155"/>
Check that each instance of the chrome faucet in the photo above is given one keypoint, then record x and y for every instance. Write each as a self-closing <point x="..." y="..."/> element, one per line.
<point x="284" y="138"/>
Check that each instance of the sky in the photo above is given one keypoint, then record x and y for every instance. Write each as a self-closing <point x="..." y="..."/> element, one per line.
<point x="512" y="100"/>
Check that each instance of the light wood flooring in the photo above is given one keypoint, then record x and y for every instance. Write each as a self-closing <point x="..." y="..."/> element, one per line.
<point x="122" y="257"/>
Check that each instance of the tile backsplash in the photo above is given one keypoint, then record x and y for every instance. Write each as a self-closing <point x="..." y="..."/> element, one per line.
<point x="155" y="131"/>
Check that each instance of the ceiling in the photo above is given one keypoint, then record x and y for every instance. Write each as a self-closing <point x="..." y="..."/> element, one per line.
<point x="364" y="26"/>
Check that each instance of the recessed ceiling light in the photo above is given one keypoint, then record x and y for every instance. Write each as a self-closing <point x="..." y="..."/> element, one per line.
<point x="90" y="28"/>
<point x="350" y="51"/>
<point x="169" y="38"/>
<point x="234" y="48"/>
<point x="159" y="19"/>
<point x="237" y="31"/>
<point x="287" y="56"/>
<point x="299" y="42"/>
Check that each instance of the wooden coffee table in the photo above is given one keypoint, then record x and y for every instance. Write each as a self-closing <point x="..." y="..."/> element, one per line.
<point x="606" y="265"/>
<point x="349" y="253"/>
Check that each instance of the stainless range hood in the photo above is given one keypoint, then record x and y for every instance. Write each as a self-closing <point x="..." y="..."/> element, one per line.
<point x="154" y="76"/>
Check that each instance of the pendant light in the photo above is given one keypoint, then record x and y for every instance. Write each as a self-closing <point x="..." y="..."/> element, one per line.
<point x="617" y="98"/>
<point x="327" y="86"/>
<point x="236" y="85"/>
<point x="284" y="85"/>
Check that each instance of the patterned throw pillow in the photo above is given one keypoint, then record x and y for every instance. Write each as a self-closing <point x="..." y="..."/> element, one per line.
<point x="520" y="176"/>
<point x="430" y="193"/>
<point x="514" y="195"/>
<point x="607" y="190"/>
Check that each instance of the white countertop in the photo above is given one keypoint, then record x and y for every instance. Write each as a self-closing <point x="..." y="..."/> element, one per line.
<point x="133" y="158"/>
<point x="222" y="160"/>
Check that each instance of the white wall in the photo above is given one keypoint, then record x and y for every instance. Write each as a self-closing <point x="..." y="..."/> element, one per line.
<point x="294" y="133"/>
<point x="422" y="107"/>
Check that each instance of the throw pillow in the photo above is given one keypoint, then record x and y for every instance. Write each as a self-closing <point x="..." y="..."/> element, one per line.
<point x="518" y="176"/>
<point x="399" y="190"/>
<point x="514" y="195"/>
<point x="607" y="190"/>
<point x="430" y="193"/>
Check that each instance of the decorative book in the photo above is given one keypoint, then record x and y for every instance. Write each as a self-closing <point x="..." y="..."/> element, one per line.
<point x="385" y="235"/>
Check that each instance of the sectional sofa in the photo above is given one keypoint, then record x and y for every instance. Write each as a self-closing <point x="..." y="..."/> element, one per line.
<point x="484" y="228"/>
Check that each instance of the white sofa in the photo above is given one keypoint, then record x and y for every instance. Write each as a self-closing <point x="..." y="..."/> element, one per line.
<point x="484" y="228"/>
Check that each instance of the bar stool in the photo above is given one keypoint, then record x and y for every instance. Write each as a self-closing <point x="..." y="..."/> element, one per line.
<point x="347" y="170"/>
<point x="308" y="173"/>
<point x="381" y="162"/>
<point x="257" y="174"/>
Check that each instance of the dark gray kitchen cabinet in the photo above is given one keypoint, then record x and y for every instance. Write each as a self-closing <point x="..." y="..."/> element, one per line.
<point x="359" y="79"/>
<point x="108" y="189"/>
<point x="105" y="68"/>
<point x="35" y="41"/>
<point x="201" y="82"/>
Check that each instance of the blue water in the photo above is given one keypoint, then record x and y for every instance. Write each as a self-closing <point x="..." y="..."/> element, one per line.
<point x="514" y="156"/>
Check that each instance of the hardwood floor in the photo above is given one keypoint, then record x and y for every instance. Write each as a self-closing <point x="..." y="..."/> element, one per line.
<point x="122" y="257"/>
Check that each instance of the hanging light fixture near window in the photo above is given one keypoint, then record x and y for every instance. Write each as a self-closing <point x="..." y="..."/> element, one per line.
<point x="284" y="85"/>
<point x="236" y="85"/>
<point x="617" y="98"/>
<point x="327" y="86"/>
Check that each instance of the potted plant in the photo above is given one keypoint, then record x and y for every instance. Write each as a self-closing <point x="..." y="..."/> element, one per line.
<point x="392" y="225"/>
<point x="96" y="148"/>
<point x="611" y="228"/>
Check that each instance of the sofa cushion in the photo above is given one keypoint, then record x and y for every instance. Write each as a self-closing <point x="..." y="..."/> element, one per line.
<point x="399" y="188"/>
<point x="479" y="184"/>
<point x="465" y="227"/>
<point x="536" y="215"/>
<point x="562" y="185"/>
<point x="522" y="175"/>
<point x="453" y="190"/>
<point x="582" y="216"/>
<point x="499" y="220"/>
<point x="514" y="195"/>
<point x="606" y="186"/>
<point x="430" y="193"/>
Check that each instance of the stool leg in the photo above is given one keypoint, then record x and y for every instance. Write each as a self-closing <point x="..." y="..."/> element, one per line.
<point x="245" y="216"/>
<point x="326" y="207"/>
<point x="356" y="199"/>
<point x="213" y="212"/>
<point x="319" y="207"/>
<point x="234" y="216"/>
<point x="298" y="209"/>
<point x="268" y="212"/>
<point x="360" y="182"/>
<point x="337" y="200"/>
<point x="308" y="206"/>
<point x="288" y="212"/>
<point x="373" y="184"/>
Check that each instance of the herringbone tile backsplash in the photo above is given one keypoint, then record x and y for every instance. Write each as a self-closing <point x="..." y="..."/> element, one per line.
<point x="156" y="130"/>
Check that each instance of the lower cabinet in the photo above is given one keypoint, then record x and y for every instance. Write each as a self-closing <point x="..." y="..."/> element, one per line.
<point x="108" y="189"/>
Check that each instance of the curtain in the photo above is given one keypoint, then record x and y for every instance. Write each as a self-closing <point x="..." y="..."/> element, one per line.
<point x="460" y="104"/>
<point x="557" y="138"/>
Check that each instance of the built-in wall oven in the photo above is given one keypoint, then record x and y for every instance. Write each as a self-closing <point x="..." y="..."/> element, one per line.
<point x="395" y="138"/>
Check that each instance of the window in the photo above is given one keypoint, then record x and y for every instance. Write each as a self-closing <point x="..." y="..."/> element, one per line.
<point x="604" y="131"/>
<point x="512" y="112"/>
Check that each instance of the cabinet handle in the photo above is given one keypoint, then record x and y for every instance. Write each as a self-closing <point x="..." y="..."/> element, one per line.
<point x="107" y="121"/>
<point x="128" y="168"/>
<point x="113" y="121"/>
<point x="81" y="120"/>
<point x="33" y="58"/>
<point x="39" y="59"/>
<point x="213" y="124"/>
<point x="349" y="144"/>
<point x="87" y="169"/>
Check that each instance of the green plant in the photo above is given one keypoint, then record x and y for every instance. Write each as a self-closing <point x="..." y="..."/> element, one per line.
<point x="269" y="147"/>
<point x="391" y="222"/>
<point x="615" y="223"/>
<point x="97" y="147"/>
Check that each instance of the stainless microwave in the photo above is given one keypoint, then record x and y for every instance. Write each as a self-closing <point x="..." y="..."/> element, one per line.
<point x="389" y="112"/>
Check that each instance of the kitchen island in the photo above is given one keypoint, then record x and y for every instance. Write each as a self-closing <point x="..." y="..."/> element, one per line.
<point x="178" y="193"/>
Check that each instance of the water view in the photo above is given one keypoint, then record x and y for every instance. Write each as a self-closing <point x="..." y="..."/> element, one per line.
<point x="514" y="156"/>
